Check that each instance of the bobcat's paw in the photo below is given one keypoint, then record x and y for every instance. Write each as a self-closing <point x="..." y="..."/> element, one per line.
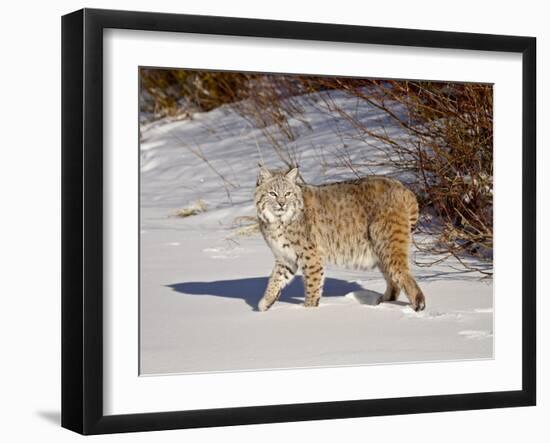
<point x="311" y="303"/>
<point x="264" y="305"/>
<point x="419" y="303"/>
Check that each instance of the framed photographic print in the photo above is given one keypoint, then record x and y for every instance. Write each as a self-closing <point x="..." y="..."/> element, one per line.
<point x="271" y="221"/>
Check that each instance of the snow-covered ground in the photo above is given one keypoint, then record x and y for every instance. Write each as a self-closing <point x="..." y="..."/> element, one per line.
<point x="201" y="279"/>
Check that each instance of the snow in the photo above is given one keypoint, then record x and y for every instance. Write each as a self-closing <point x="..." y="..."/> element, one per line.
<point x="200" y="280"/>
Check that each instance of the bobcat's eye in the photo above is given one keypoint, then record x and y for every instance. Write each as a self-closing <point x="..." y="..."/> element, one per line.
<point x="273" y="194"/>
<point x="288" y="194"/>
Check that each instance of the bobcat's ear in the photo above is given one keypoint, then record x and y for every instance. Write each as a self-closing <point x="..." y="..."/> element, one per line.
<point x="263" y="175"/>
<point x="291" y="175"/>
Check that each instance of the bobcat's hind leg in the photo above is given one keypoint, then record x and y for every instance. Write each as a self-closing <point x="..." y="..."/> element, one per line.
<point x="391" y="242"/>
<point x="413" y="291"/>
<point x="392" y="289"/>
<point x="280" y="277"/>
<point x="400" y="278"/>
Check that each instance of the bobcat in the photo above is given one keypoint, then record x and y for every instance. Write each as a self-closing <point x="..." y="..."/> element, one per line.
<point x="358" y="223"/>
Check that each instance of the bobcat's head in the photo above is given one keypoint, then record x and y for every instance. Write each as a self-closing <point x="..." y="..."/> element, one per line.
<point x="277" y="196"/>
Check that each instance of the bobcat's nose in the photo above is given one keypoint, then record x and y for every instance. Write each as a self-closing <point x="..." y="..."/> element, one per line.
<point x="281" y="204"/>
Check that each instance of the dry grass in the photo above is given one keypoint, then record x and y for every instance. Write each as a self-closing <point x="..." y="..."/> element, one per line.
<point x="245" y="226"/>
<point x="196" y="208"/>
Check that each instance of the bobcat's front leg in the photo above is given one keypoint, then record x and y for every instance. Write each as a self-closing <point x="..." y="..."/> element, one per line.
<point x="314" y="275"/>
<point x="280" y="277"/>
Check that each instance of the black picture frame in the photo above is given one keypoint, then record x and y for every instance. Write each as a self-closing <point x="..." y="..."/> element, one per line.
<point x="82" y="220"/>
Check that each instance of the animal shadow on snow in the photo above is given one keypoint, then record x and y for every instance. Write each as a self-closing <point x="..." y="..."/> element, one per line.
<point x="251" y="289"/>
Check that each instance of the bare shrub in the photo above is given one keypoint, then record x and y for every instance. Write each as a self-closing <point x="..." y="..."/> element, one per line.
<point x="172" y="91"/>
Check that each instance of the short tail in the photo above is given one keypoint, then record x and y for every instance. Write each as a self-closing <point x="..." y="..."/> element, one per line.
<point x="412" y="204"/>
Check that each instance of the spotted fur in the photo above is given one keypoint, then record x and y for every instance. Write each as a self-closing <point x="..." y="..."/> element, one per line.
<point x="359" y="224"/>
